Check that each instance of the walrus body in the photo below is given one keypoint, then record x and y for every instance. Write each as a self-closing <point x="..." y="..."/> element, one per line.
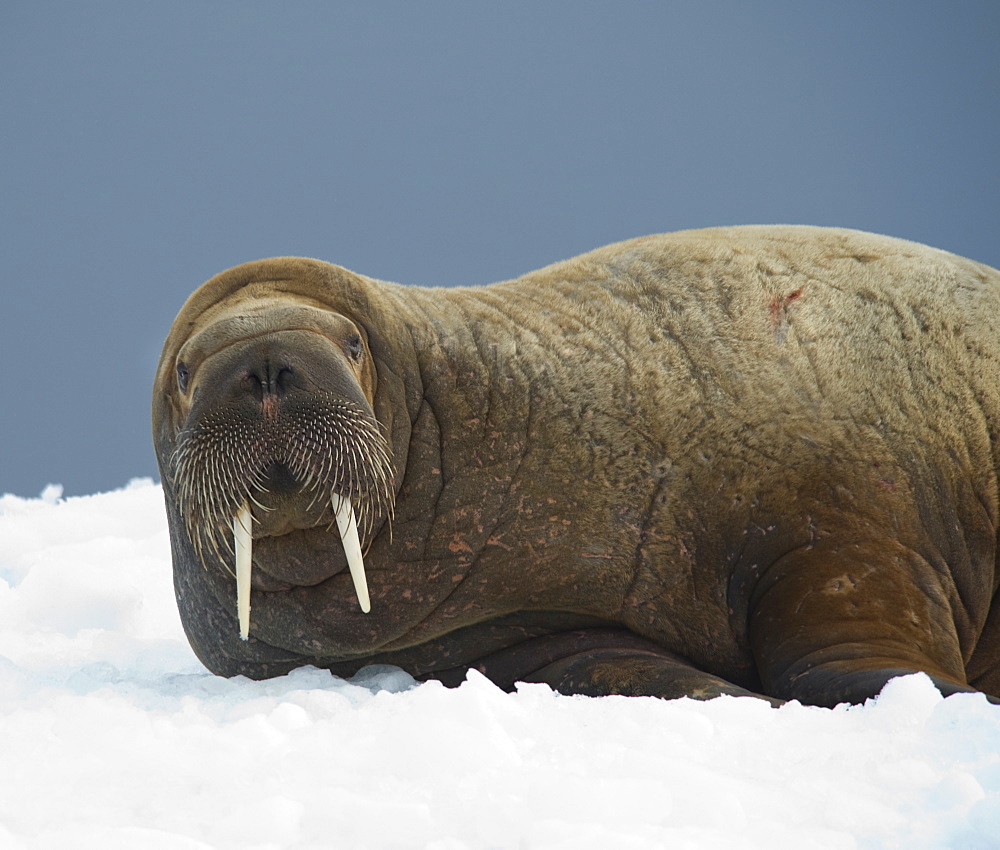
<point x="755" y="460"/>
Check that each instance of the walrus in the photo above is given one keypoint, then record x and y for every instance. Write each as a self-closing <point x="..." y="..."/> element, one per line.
<point x="755" y="461"/>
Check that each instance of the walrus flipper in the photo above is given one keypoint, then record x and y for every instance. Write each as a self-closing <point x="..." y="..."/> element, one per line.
<point x="600" y="662"/>
<point x="634" y="673"/>
<point x="862" y="623"/>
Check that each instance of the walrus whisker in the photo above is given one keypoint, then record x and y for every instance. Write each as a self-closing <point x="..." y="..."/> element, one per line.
<point x="312" y="482"/>
<point x="220" y="542"/>
<point x="258" y="503"/>
<point x="317" y="494"/>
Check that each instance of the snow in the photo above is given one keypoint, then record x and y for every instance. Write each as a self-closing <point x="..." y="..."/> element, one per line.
<point x="112" y="735"/>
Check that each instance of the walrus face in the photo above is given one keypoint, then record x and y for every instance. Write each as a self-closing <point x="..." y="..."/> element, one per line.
<point x="278" y="436"/>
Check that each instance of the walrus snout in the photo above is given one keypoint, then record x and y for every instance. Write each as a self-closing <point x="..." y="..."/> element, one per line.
<point x="265" y="373"/>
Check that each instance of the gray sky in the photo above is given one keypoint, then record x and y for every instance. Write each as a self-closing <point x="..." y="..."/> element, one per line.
<point x="145" y="147"/>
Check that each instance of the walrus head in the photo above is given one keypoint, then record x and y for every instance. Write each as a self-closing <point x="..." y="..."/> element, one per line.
<point x="276" y="434"/>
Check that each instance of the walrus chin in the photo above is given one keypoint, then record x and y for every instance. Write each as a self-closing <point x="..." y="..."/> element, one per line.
<point x="324" y="460"/>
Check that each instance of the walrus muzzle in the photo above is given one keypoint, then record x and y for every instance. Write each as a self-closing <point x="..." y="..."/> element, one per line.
<point x="275" y="444"/>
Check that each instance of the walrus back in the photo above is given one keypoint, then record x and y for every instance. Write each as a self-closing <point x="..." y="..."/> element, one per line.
<point x="782" y="321"/>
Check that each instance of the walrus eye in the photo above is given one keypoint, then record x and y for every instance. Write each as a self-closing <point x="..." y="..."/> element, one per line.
<point x="182" y="377"/>
<point x="354" y="347"/>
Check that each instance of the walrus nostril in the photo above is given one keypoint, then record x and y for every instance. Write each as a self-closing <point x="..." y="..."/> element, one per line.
<point x="283" y="380"/>
<point x="268" y="379"/>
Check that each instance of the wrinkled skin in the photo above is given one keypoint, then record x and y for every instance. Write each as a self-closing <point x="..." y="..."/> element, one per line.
<point x="746" y="461"/>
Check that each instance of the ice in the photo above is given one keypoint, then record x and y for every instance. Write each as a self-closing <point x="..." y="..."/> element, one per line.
<point x="113" y="736"/>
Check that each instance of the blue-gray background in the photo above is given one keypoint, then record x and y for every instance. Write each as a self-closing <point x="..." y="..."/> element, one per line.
<point x="145" y="147"/>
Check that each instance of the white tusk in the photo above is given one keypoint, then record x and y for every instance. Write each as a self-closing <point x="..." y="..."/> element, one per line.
<point x="242" y="526"/>
<point x="348" y="526"/>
